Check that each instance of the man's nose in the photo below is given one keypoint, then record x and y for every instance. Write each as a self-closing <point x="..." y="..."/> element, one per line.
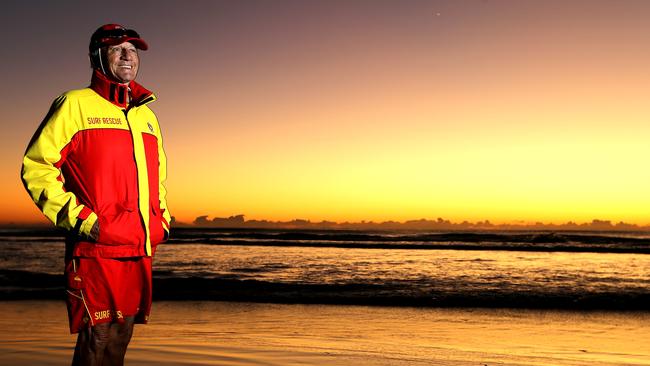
<point x="126" y="55"/>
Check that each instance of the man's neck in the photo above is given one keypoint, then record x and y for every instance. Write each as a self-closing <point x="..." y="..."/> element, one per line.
<point x="120" y="94"/>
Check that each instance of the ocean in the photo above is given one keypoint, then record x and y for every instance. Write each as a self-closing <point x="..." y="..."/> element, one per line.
<point x="536" y="270"/>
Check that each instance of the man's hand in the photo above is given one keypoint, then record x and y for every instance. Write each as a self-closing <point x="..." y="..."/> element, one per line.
<point x="94" y="231"/>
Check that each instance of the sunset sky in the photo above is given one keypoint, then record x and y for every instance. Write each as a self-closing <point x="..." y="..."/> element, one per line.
<point x="363" y="110"/>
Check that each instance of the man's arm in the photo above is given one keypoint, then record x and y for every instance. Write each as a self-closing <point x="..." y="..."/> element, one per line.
<point x="42" y="177"/>
<point x="162" y="192"/>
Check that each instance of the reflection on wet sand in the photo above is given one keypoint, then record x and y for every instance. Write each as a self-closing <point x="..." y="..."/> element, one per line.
<point x="242" y="334"/>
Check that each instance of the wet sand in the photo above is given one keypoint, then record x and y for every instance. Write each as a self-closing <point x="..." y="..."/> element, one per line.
<point x="242" y="334"/>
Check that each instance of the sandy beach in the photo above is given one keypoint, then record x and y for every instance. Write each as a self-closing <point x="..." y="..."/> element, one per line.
<point x="241" y="334"/>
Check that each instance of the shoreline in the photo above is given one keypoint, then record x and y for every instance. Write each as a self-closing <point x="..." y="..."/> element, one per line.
<point x="16" y="285"/>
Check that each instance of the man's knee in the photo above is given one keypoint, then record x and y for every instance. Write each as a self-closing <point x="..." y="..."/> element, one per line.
<point x="118" y="343"/>
<point x="91" y="344"/>
<point x="100" y="335"/>
<point x="120" y="334"/>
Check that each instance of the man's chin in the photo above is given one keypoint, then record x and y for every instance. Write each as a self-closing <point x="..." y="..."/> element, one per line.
<point x="124" y="79"/>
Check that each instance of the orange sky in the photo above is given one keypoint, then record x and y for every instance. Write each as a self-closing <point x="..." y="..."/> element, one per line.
<point x="366" y="110"/>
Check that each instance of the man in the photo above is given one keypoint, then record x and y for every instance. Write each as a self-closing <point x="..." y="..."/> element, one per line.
<point x="96" y="167"/>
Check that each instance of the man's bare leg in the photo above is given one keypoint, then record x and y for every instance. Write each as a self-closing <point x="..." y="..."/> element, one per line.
<point x="104" y="344"/>
<point x="91" y="343"/>
<point x="120" y="336"/>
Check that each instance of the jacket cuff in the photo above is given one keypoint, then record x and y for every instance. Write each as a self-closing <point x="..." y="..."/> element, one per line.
<point x="87" y="225"/>
<point x="165" y="233"/>
<point x="165" y="223"/>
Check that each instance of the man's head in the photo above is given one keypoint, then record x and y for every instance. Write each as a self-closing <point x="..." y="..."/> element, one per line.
<point x="114" y="51"/>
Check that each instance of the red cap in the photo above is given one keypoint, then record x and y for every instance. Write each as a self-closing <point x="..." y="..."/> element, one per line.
<point x="113" y="34"/>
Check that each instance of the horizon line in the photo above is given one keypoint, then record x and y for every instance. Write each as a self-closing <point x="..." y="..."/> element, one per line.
<point x="239" y="221"/>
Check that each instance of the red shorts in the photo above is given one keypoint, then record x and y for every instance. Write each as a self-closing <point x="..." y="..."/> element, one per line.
<point x="102" y="290"/>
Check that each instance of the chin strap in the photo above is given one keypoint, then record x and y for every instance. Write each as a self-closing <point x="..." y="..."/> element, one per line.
<point x="96" y="60"/>
<point x="101" y="63"/>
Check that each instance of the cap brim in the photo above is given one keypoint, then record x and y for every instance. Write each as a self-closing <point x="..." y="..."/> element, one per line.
<point x="139" y="43"/>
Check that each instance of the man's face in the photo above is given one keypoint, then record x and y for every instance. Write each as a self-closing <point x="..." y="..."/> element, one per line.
<point x="123" y="61"/>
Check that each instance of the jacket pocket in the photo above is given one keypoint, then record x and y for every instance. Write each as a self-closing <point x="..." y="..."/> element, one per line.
<point x="73" y="276"/>
<point x="120" y="225"/>
<point x="156" y="226"/>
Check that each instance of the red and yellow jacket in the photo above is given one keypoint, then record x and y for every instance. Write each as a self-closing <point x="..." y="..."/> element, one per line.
<point x="99" y="156"/>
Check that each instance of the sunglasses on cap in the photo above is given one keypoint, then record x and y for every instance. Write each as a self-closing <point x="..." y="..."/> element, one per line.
<point x="119" y="33"/>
